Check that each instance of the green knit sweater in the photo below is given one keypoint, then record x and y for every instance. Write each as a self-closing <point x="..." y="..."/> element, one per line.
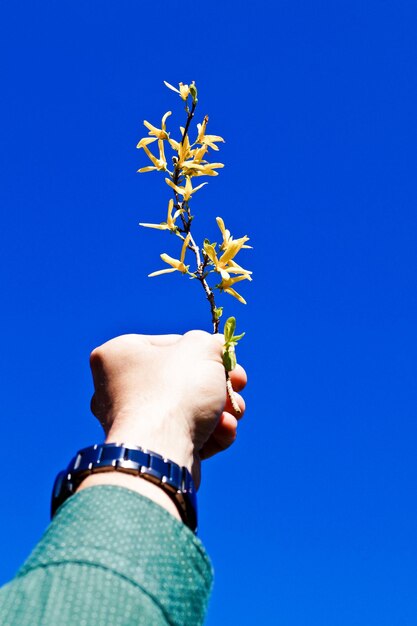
<point x="111" y="557"/>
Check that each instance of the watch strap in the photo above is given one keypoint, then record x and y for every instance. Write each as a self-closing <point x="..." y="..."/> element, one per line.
<point x="175" y="480"/>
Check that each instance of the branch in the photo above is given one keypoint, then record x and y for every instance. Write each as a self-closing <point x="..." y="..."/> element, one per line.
<point x="201" y="265"/>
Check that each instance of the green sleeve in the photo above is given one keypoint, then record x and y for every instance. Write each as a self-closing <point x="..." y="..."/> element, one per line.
<point x="111" y="557"/>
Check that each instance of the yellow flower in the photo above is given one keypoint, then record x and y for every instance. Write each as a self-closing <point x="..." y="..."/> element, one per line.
<point x="176" y="265"/>
<point x="226" y="286"/>
<point x="175" y="145"/>
<point x="159" y="133"/>
<point x="170" y="223"/>
<point x="187" y="190"/>
<point x="226" y="266"/>
<point x="225" y="262"/>
<point x="202" y="129"/>
<point x="207" y="140"/>
<point x="145" y="141"/>
<point x="227" y="237"/>
<point x="184" y="90"/>
<point x="158" y="164"/>
<point x="235" y="294"/>
<point x="234" y="268"/>
<point x="193" y="168"/>
<point x="232" y="248"/>
<point x="185" y="153"/>
<point x="199" y="153"/>
<point x="184" y="148"/>
<point x="210" y="139"/>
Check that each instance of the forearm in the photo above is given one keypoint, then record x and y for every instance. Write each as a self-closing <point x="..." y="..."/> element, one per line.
<point x="111" y="553"/>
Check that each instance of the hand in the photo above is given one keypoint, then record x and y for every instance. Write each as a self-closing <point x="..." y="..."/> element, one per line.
<point x="166" y="393"/>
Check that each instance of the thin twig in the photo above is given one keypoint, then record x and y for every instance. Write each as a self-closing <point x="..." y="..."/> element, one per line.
<point x="189" y="118"/>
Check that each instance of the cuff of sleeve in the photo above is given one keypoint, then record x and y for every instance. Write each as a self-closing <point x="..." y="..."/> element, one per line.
<point x="125" y="532"/>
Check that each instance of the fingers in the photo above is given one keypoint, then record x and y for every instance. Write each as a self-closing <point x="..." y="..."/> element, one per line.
<point x="205" y="340"/>
<point x="198" y="337"/>
<point x="241" y="404"/>
<point x="210" y="345"/>
<point x="226" y="430"/>
<point x="238" y="378"/>
<point x="222" y="437"/>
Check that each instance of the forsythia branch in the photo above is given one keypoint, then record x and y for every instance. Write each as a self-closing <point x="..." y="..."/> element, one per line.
<point x="190" y="162"/>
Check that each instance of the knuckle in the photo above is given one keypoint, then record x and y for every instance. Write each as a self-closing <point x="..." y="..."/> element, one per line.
<point x="96" y="357"/>
<point x="198" y="335"/>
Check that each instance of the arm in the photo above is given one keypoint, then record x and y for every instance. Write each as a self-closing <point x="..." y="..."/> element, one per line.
<point x="117" y="552"/>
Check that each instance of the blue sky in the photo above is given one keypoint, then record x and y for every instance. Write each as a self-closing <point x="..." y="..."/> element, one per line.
<point x="311" y="518"/>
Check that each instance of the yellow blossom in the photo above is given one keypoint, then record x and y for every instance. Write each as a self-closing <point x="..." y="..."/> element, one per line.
<point x="184" y="90"/>
<point x="199" y="153"/>
<point x="193" y="168"/>
<point x="170" y="223"/>
<point x="226" y="286"/>
<point x="227" y="237"/>
<point x="184" y="148"/>
<point x="175" y="145"/>
<point x="187" y="190"/>
<point x="234" y="268"/>
<point x="202" y="129"/>
<point x="225" y="262"/>
<point x="232" y="248"/>
<point x="235" y="294"/>
<point x="176" y="264"/>
<point x="226" y="266"/>
<point x="207" y="140"/>
<point x="158" y="164"/>
<point x="145" y="141"/>
<point x="159" y="133"/>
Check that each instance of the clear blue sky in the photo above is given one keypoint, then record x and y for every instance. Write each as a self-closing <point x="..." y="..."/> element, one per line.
<point x="312" y="518"/>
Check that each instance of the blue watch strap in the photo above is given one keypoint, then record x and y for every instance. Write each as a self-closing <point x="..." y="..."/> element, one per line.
<point x="176" y="481"/>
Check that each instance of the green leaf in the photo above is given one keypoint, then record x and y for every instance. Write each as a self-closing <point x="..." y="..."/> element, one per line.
<point x="229" y="328"/>
<point x="238" y="337"/>
<point x="218" y="311"/>
<point x="229" y="360"/>
<point x="193" y="92"/>
<point x="207" y="242"/>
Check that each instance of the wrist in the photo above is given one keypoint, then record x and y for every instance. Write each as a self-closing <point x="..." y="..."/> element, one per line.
<point x="163" y="436"/>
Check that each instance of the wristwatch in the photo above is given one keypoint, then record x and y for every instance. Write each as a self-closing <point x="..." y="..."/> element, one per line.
<point x="176" y="481"/>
